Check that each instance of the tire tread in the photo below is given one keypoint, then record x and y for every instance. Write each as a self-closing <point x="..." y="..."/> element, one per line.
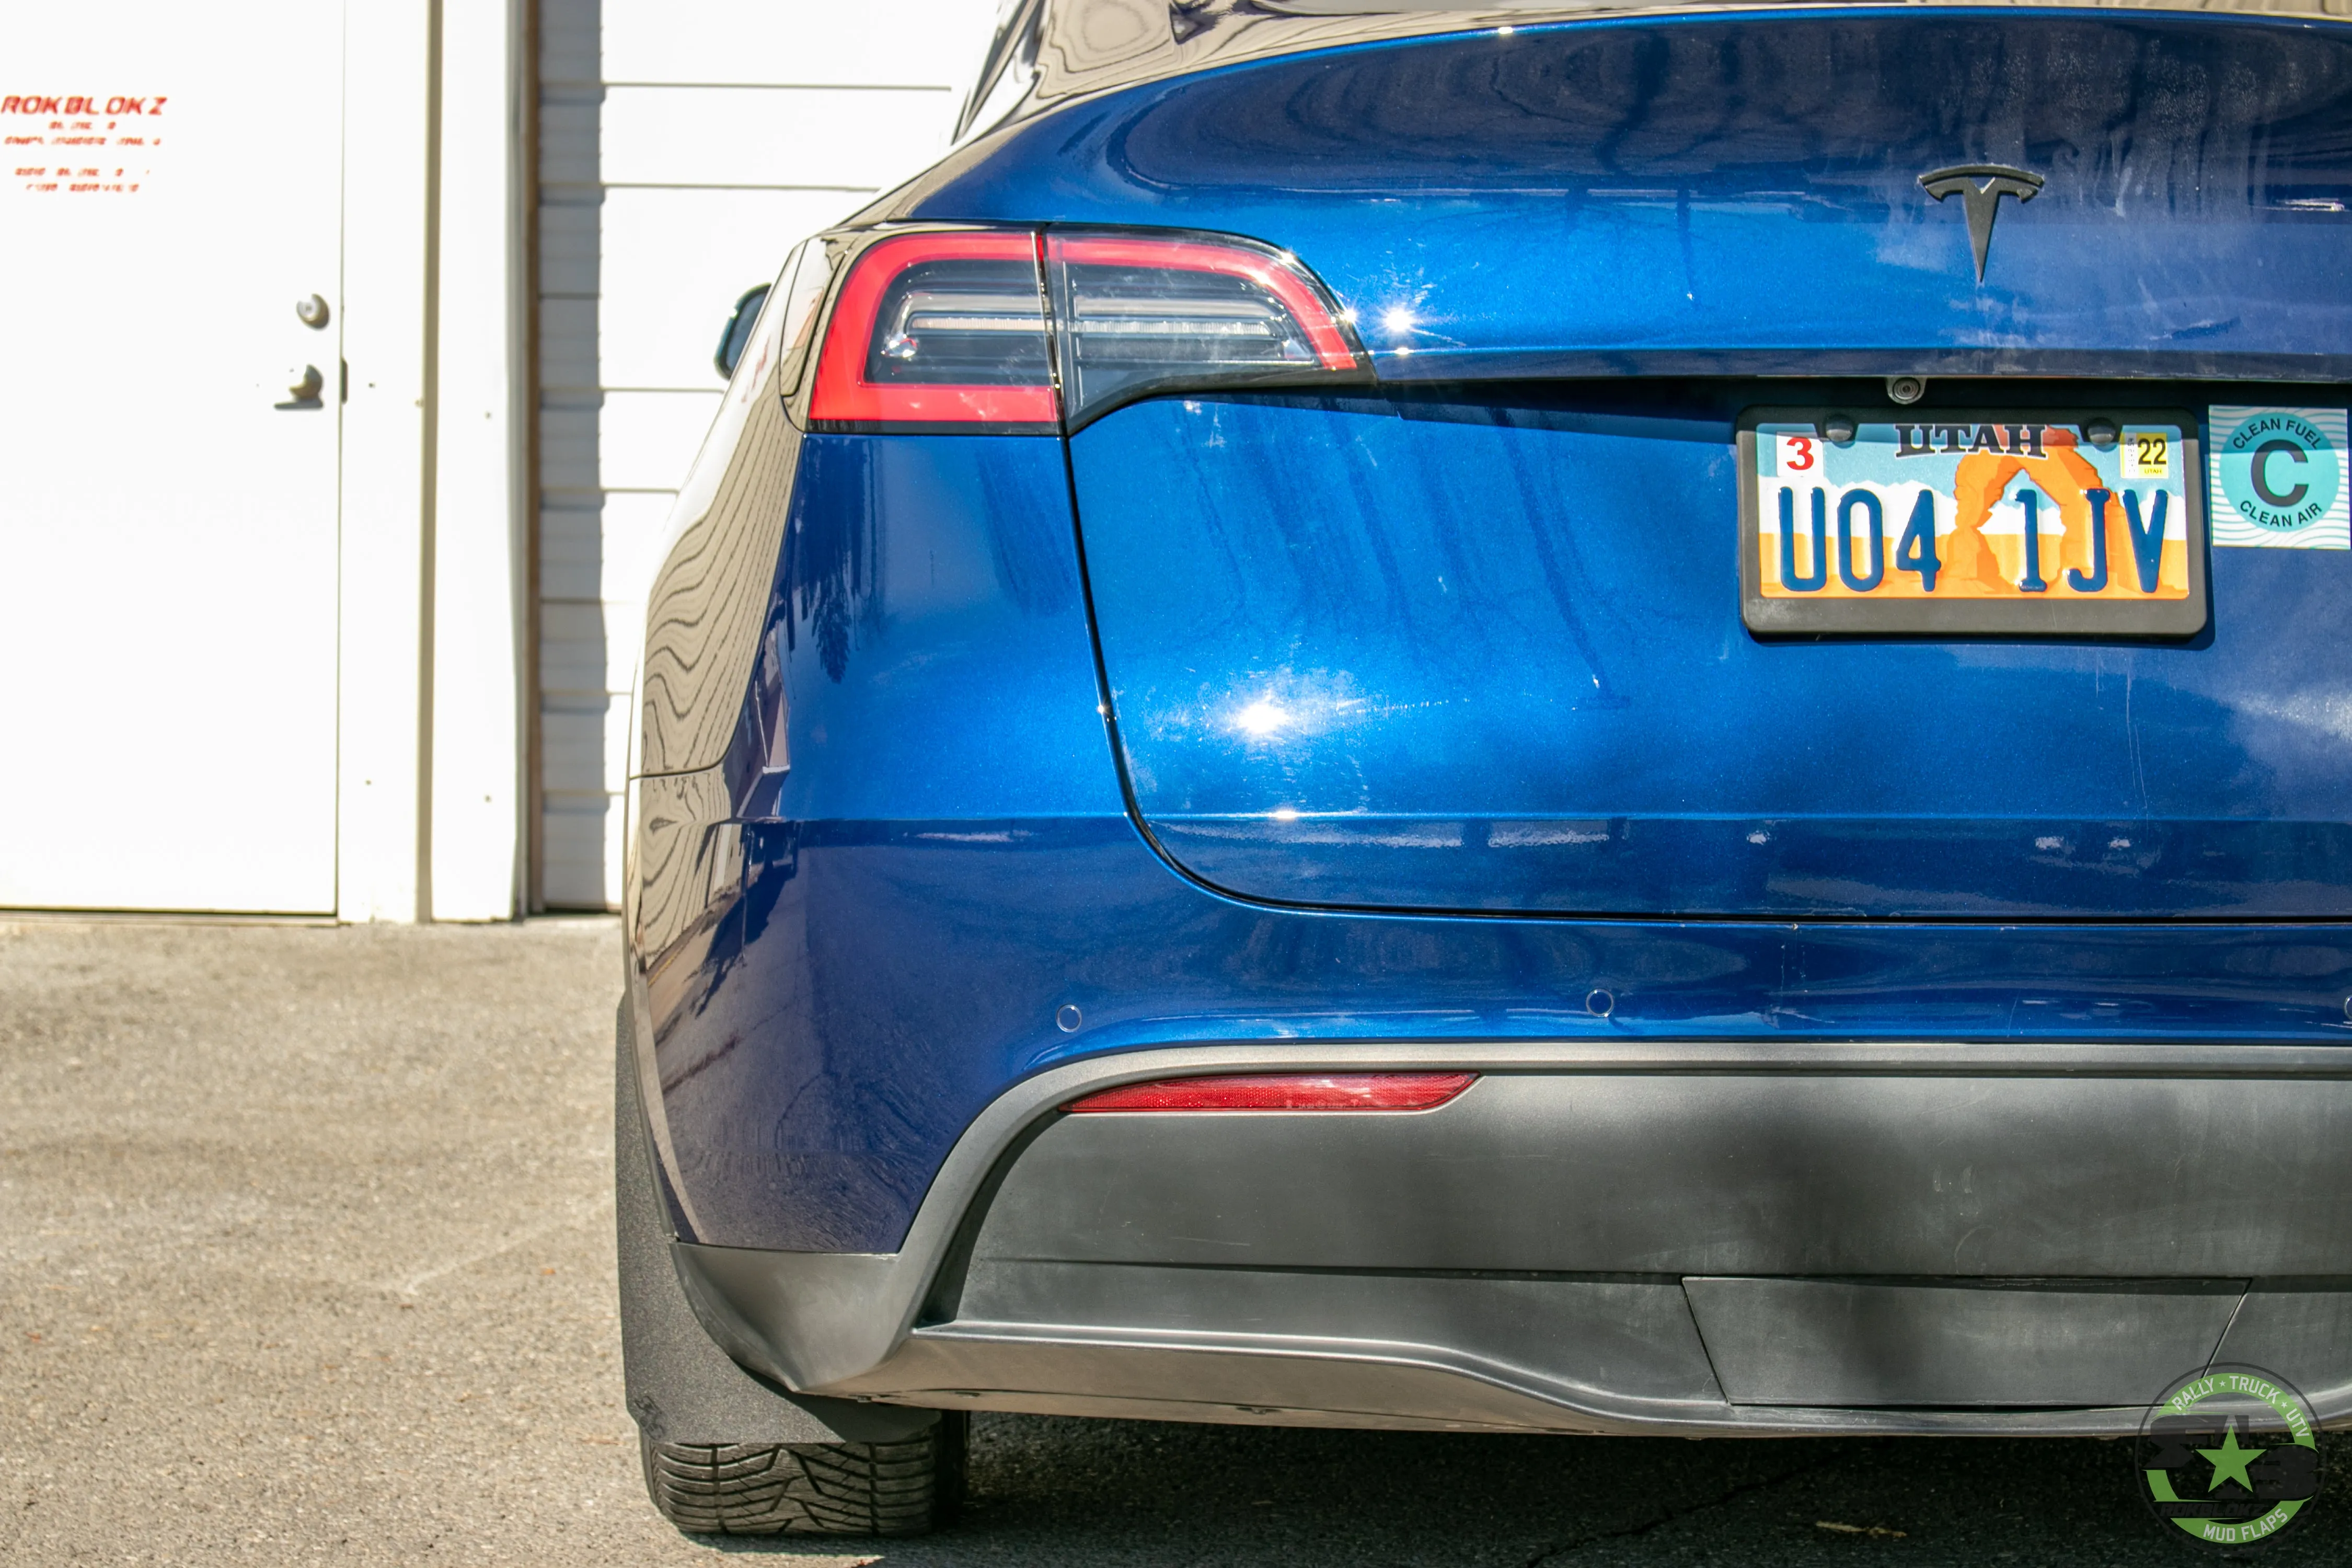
<point x="817" y="1489"/>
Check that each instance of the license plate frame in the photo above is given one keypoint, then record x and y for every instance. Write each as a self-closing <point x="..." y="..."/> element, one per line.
<point x="2116" y="611"/>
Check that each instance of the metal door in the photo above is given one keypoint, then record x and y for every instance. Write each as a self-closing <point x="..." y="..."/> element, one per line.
<point x="169" y="433"/>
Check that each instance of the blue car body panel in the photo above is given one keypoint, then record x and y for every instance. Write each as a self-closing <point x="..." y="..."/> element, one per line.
<point x="1741" y="192"/>
<point x="882" y="981"/>
<point x="991" y="709"/>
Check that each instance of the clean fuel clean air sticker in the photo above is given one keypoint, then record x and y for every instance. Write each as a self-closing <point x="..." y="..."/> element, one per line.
<point x="2278" y="478"/>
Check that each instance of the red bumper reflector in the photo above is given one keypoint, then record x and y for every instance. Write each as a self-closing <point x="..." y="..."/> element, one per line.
<point x="1285" y="1091"/>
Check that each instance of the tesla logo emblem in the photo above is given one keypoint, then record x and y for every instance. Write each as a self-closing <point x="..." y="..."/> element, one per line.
<point x="1980" y="187"/>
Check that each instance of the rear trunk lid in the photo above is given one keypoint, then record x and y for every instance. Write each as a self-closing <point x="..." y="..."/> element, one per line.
<point x="1474" y="640"/>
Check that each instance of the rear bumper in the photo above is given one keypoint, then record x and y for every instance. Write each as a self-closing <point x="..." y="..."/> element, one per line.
<point x="1616" y="1236"/>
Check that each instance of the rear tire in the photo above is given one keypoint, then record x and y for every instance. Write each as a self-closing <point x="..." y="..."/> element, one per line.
<point x="811" y="1488"/>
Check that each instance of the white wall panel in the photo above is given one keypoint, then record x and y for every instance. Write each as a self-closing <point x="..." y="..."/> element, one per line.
<point x="567" y="246"/>
<point x="571" y="749"/>
<point x="600" y="554"/>
<point x="572" y="642"/>
<point x="815" y="41"/>
<point x="567" y="442"/>
<point x="570" y="551"/>
<point x="578" y="850"/>
<point x="646" y="440"/>
<point x="633" y="523"/>
<point x="783" y="137"/>
<point x="684" y="149"/>
<point x="579" y="750"/>
<point x="567" y="339"/>
<point x="664" y="302"/>
<point x="567" y="137"/>
<point x="570" y="38"/>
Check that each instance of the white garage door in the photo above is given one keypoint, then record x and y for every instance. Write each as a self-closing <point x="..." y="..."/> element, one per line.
<point x="167" y="494"/>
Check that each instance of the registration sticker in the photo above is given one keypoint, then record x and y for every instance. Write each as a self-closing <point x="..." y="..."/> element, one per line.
<point x="2279" y="478"/>
<point x="2147" y="453"/>
<point x="1987" y="521"/>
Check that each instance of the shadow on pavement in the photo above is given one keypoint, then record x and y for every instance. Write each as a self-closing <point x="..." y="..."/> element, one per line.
<point x="1053" y="1491"/>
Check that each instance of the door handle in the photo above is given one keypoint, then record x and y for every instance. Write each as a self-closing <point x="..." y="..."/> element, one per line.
<point x="305" y="382"/>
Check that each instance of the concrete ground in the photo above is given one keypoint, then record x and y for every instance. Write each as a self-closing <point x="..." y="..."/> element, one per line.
<point x="306" y="1256"/>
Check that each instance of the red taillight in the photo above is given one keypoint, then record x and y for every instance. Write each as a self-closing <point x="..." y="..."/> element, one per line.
<point x="939" y="329"/>
<point x="1140" y="313"/>
<point x="949" y="329"/>
<point x="1285" y="1091"/>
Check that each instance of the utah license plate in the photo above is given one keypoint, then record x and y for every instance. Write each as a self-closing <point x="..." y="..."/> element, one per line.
<point x="1972" y="523"/>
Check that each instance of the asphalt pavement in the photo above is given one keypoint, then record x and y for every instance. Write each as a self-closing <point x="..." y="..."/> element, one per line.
<point x="306" y="1256"/>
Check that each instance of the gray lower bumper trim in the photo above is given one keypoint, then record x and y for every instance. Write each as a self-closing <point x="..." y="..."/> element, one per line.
<point x="1006" y="1367"/>
<point x="1857" y="1343"/>
<point x="1588" y="1335"/>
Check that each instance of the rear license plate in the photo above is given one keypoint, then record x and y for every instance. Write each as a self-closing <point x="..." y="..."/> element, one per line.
<point x="1972" y="524"/>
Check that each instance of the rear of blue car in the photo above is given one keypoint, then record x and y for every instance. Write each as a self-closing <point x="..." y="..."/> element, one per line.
<point x="1609" y="724"/>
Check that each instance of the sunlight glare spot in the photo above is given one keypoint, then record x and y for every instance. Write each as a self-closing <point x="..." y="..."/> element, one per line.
<point x="1261" y="718"/>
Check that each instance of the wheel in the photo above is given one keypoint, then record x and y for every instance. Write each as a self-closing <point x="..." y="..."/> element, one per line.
<point x="811" y="1488"/>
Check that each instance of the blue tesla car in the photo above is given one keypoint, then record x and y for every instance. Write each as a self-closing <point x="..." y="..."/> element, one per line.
<point x="1612" y="719"/>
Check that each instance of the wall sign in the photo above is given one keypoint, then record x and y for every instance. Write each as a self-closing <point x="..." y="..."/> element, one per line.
<point x="77" y="144"/>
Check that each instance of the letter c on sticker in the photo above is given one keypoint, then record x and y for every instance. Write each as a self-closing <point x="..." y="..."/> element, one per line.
<point x="2260" y="471"/>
